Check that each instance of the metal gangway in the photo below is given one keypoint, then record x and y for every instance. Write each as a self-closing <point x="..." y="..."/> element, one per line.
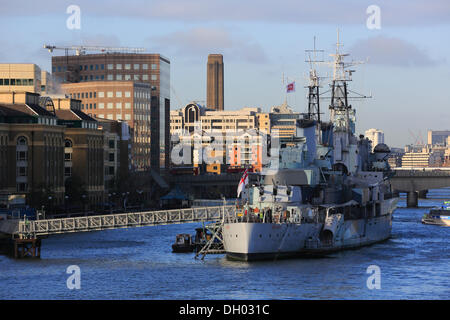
<point x="31" y="229"/>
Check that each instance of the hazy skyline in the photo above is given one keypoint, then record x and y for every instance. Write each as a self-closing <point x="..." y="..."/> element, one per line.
<point x="407" y="70"/>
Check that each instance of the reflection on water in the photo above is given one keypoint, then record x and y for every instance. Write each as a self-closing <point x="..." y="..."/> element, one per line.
<point x="138" y="264"/>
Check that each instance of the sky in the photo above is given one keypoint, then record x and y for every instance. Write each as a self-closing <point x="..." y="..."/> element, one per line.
<point x="405" y="71"/>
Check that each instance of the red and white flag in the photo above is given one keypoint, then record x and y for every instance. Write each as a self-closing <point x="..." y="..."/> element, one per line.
<point x="290" y="87"/>
<point x="243" y="182"/>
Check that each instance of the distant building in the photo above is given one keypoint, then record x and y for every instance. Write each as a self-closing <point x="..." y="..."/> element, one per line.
<point x="20" y="77"/>
<point x="234" y="125"/>
<point x="438" y="138"/>
<point x="127" y="101"/>
<point x="375" y="136"/>
<point x="395" y="157"/>
<point x="148" y="69"/>
<point x="283" y="119"/>
<point x="31" y="150"/>
<point x="215" y="82"/>
<point x="83" y="149"/>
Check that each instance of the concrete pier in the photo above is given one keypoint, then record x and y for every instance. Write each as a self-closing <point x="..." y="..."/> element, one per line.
<point x="412" y="199"/>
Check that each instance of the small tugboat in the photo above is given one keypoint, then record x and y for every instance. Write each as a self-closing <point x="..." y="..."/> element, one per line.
<point x="438" y="216"/>
<point x="183" y="243"/>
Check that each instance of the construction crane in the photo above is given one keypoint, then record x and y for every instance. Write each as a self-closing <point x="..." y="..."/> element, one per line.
<point x="80" y="50"/>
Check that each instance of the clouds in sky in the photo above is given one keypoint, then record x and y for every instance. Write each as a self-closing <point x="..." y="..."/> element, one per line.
<point x="202" y="41"/>
<point x="390" y="51"/>
<point x="394" y="13"/>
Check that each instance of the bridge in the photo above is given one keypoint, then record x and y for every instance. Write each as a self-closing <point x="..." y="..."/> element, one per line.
<point x="416" y="181"/>
<point x="26" y="235"/>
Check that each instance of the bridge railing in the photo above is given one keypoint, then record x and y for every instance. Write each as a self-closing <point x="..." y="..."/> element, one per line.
<point x="33" y="228"/>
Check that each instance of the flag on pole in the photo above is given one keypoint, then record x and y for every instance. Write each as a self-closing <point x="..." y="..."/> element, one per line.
<point x="290" y="87"/>
<point x="242" y="183"/>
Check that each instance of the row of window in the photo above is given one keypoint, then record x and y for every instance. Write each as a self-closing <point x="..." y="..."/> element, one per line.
<point x="118" y="77"/>
<point x="93" y="67"/>
<point x="118" y="116"/>
<point x="136" y="66"/>
<point x="16" y="82"/>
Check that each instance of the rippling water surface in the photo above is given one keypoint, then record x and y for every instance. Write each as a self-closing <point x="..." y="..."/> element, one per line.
<point x="138" y="264"/>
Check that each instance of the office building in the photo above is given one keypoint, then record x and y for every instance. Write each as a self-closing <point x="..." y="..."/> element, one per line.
<point x="127" y="101"/>
<point x="438" y="138"/>
<point x="283" y="122"/>
<point x="375" y="136"/>
<point x="20" y="77"/>
<point x="150" y="69"/>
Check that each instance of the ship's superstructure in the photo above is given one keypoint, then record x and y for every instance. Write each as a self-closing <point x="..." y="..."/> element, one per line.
<point x="326" y="192"/>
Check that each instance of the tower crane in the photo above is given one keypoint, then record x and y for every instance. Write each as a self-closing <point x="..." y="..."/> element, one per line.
<point x="80" y="50"/>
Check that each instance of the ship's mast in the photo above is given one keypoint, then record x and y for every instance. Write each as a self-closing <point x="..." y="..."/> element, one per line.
<point x="339" y="107"/>
<point x="314" y="85"/>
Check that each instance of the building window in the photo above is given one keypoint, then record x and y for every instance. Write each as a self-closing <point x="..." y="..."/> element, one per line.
<point x="118" y="94"/>
<point x="67" y="171"/>
<point x="127" y="66"/>
<point x="110" y="77"/>
<point x="136" y="77"/>
<point x="110" y="66"/>
<point x="111" y="157"/>
<point x="136" y="66"/>
<point x="112" y="144"/>
<point x="21" y="187"/>
<point x="110" y="105"/>
<point x="118" y="77"/>
<point x="101" y="105"/>
<point x="145" y="66"/>
<point x="21" y="171"/>
<point x="127" y="105"/>
<point x="119" y="66"/>
<point x="110" y="94"/>
<point x="127" y="94"/>
<point x="145" y="77"/>
<point x="127" y="116"/>
<point x="154" y="77"/>
<point x="154" y="66"/>
<point x="110" y="116"/>
<point x="119" y="105"/>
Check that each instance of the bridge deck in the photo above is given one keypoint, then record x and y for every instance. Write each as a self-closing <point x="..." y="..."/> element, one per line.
<point x="35" y="228"/>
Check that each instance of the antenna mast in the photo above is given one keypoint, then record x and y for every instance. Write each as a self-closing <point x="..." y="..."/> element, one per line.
<point x="314" y="83"/>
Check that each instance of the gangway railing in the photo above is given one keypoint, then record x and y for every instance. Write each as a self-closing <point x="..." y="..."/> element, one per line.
<point x="35" y="228"/>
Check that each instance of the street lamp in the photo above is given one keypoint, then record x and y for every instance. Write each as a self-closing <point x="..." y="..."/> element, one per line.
<point x="83" y="197"/>
<point x="50" y="203"/>
<point x="65" y="202"/>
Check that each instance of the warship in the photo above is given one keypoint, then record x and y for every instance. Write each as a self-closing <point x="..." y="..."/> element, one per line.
<point x="328" y="190"/>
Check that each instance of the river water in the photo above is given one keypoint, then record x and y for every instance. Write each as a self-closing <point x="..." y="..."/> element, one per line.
<point x="138" y="263"/>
